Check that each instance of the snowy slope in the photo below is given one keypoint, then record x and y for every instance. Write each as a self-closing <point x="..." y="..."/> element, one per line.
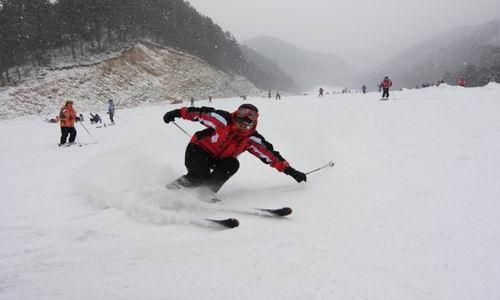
<point x="410" y="210"/>
<point x="144" y="73"/>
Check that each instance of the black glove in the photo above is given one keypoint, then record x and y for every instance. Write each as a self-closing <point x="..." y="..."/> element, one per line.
<point x="171" y="115"/>
<point x="77" y="119"/>
<point x="297" y="175"/>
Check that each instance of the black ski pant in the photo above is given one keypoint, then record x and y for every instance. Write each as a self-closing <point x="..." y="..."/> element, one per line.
<point x="203" y="169"/>
<point x="65" y="131"/>
<point x="111" y="115"/>
<point x="385" y="93"/>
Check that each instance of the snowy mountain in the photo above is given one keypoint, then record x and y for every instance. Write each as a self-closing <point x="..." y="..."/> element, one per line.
<point x="409" y="211"/>
<point x="450" y="52"/>
<point x="144" y="73"/>
<point x="269" y="75"/>
<point x="307" y="68"/>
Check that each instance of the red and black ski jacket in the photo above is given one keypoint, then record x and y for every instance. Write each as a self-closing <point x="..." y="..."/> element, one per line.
<point x="386" y="83"/>
<point x="221" y="139"/>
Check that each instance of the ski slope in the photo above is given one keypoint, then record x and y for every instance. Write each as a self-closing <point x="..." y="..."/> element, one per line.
<point x="409" y="211"/>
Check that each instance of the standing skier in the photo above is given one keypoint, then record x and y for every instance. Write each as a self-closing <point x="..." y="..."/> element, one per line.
<point x="111" y="111"/>
<point x="461" y="81"/>
<point x="363" y="88"/>
<point x="211" y="155"/>
<point x="320" y="92"/>
<point x="67" y="119"/>
<point x="385" y="85"/>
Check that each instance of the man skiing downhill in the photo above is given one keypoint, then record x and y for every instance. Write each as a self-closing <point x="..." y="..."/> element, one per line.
<point x="211" y="155"/>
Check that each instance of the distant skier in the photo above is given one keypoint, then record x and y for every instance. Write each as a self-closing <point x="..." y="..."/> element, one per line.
<point x="111" y="110"/>
<point x="211" y="155"/>
<point x="278" y="96"/>
<point x="209" y="99"/>
<point x="67" y="119"/>
<point x="386" y="85"/>
<point x="269" y="94"/>
<point x="53" y="120"/>
<point x="363" y="88"/>
<point x="192" y="101"/>
<point x="320" y="92"/>
<point x="94" y="119"/>
<point x="461" y="81"/>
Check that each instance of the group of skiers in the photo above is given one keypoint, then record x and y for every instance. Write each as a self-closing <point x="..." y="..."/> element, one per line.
<point x="277" y="95"/>
<point x="211" y="157"/>
<point x="67" y="119"/>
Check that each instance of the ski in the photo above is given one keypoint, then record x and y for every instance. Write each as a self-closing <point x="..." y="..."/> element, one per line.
<point x="67" y="145"/>
<point x="279" y="212"/>
<point x="181" y="183"/>
<point x="260" y="212"/>
<point x="228" y="223"/>
<point x="263" y="212"/>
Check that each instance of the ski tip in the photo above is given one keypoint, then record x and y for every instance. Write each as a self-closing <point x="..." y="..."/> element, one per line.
<point x="285" y="211"/>
<point x="228" y="223"/>
<point x="288" y="210"/>
<point x="232" y="222"/>
<point x="280" y="212"/>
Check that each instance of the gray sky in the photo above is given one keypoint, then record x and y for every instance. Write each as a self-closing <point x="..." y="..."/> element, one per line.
<point x="363" y="32"/>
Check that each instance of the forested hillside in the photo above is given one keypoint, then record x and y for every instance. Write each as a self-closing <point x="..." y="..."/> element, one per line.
<point x="37" y="33"/>
<point x="306" y="67"/>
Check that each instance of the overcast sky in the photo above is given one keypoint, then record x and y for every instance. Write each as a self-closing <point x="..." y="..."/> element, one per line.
<point x="363" y="32"/>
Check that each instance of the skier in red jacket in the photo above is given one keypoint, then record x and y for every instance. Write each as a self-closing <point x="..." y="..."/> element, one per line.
<point x="385" y="84"/>
<point x="211" y="155"/>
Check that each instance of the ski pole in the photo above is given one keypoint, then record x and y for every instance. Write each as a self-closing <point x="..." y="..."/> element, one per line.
<point x="329" y="164"/>
<point x="181" y="129"/>
<point x="78" y="141"/>
<point x="87" y="131"/>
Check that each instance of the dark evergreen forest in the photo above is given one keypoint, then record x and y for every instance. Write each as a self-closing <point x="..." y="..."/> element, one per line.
<point x="32" y="32"/>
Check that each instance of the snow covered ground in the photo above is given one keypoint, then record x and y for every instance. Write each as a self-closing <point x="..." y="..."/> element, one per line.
<point x="409" y="211"/>
<point x="144" y="73"/>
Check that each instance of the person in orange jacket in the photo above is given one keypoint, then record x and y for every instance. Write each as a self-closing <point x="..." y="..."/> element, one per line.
<point x="67" y="119"/>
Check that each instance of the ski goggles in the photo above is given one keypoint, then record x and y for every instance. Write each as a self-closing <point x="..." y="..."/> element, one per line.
<point x="244" y="123"/>
<point x="246" y="113"/>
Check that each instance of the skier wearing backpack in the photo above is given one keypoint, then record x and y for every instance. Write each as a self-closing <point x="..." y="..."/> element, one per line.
<point x="211" y="155"/>
<point x="385" y="84"/>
